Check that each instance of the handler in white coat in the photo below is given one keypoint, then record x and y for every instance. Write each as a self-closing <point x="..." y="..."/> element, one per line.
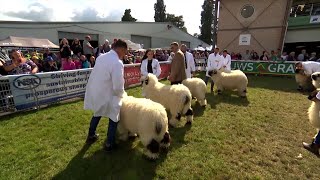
<point x="150" y="65"/>
<point x="214" y="62"/>
<point x="309" y="67"/>
<point x="189" y="61"/>
<point x="226" y="59"/>
<point x="104" y="92"/>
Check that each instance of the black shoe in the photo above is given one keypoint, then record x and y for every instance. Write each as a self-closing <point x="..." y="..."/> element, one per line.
<point x="92" y="139"/>
<point x="314" y="148"/>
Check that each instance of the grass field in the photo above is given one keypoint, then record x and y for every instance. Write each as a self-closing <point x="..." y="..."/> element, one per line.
<point x="233" y="138"/>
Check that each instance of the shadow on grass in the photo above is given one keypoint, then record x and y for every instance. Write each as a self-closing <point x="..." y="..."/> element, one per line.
<point x="126" y="162"/>
<point x="198" y="110"/>
<point x="33" y="111"/>
<point x="229" y="97"/>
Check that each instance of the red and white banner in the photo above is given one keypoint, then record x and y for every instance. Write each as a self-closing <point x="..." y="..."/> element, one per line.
<point x="132" y="73"/>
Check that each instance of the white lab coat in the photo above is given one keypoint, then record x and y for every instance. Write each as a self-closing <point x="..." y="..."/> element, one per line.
<point x="310" y="67"/>
<point x="226" y="62"/>
<point x="214" y="62"/>
<point x="105" y="87"/>
<point x="155" y="67"/>
<point x="191" y="67"/>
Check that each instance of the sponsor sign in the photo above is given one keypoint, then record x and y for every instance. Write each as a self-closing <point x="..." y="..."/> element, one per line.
<point x="264" y="67"/>
<point x="244" y="39"/>
<point x="315" y="19"/>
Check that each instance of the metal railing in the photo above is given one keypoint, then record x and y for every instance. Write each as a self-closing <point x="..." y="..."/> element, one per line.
<point x="305" y="10"/>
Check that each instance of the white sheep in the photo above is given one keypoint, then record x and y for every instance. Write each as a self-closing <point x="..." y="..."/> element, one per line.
<point x="175" y="98"/>
<point x="316" y="79"/>
<point x="235" y="80"/>
<point x="198" y="89"/>
<point x="148" y="120"/>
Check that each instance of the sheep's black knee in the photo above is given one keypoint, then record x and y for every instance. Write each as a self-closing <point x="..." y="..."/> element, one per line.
<point x="154" y="146"/>
<point x="178" y="116"/>
<point x="189" y="112"/>
<point x="166" y="138"/>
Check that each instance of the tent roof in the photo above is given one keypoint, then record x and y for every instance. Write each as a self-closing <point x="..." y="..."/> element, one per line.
<point x="13" y="41"/>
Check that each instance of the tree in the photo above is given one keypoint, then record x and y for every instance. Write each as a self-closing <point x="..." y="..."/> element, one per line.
<point x="207" y="18"/>
<point x="127" y="16"/>
<point x="159" y="11"/>
<point x="177" y="21"/>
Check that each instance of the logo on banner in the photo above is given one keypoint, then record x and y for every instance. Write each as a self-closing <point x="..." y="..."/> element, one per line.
<point x="27" y="82"/>
<point x="315" y="19"/>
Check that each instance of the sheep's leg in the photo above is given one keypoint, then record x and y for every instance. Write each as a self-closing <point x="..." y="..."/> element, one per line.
<point x="152" y="147"/>
<point x="175" y="118"/>
<point x="189" y="115"/>
<point x="123" y="132"/>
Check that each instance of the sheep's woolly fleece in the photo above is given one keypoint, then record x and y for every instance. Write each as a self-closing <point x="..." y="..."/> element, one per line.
<point x="316" y="83"/>
<point x="175" y="98"/>
<point x="146" y="118"/>
<point x="198" y="89"/>
<point x="235" y="80"/>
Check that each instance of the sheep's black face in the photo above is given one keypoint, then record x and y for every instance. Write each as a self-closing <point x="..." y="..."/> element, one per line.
<point x="166" y="138"/>
<point x="211" y="73"/>
<point x="313" y="95"/>
<point x="315" y="76"/>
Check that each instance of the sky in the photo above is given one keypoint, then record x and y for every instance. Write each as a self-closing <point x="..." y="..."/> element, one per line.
<point x="97" y="10"/>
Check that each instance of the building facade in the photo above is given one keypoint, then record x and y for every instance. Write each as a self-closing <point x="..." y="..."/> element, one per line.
<point x="150" y="34"/>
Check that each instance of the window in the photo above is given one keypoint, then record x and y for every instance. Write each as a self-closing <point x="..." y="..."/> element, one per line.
<point x="247" y="11"/>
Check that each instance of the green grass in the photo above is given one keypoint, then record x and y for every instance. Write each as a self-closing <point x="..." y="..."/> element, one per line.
<point x="233" y="138"/>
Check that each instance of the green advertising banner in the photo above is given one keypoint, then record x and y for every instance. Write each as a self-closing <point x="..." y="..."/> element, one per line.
<point x="281" y="68"/>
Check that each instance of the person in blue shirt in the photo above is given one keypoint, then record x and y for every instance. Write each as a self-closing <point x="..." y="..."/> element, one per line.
<point x="85" y="63"/>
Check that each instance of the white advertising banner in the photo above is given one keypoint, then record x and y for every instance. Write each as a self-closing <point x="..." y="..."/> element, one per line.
<point x="315" y="19"/>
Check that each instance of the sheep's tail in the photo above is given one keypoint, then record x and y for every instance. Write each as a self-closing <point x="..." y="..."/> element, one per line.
<point x="158" y="127"/>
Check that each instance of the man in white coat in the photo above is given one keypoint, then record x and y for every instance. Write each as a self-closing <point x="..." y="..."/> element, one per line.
<point x="214" y="62"/>
<point x="309" y="67"/>
<point x="189" y="60"/>
<point x="226" y="59"/>
<point x="104" y="92"/>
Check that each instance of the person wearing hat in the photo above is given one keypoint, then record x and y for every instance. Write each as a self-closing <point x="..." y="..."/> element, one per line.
<point x="87" y="48"/>
<point x="50" y="65"/>
<point x="106" y="47"/>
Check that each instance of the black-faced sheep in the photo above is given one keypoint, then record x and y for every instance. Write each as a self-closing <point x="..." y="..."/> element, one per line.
<point x="198" y="89"/>
<point x="175" y="98"/>
<point x="235" y="80"/>
<point x="316" y="79"/>
<point x="148" y="120"/>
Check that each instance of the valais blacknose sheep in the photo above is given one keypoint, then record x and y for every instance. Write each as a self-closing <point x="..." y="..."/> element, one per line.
<point x="148" y="120"/>
<point x="235" y="80"/>
<point x="304" y="82"/>
<point x="175" y="98"/>
<point x="316" y="79"/>
<point x="198" y="89"/>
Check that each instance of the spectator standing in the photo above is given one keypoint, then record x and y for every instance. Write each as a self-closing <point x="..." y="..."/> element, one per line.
<point x="150" y="64"/>
<point x="87" y="48"/>
<point x="77" y="62"/>
<point x="239" y="56"/>
<point x="255" y="56"/>
<point x="273" y="56"/>
<point x="47" y="53"/>
<point x="126" y="60"/>
<point x="92" y="61"/>
<point x="106" y="47"/>
<point x="234" y="56"/>
<point x="284" y="56"/>
<point x="303" y="56"/>
<point x="3" y="72"/>
<point x="106" y="99"/>
<point x="85" y="63"/>
<point x="264" y="56"/>
<point x="246" y="56"/>
<point x="292" y="57"/>
<point x="313" y="57"/>
<point x="189" y="61"/>
<point x="65" y="51"/>
<point x="226" y="61"/>
<point x="214" y="63"/>
<point x="50" y="65"/>
<point x="36" y="60"/>
<point x="69" y="65"/>
<point x="76" y="47"/>
<point x="177" y="72"/>
<point x="20" y="65"/>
